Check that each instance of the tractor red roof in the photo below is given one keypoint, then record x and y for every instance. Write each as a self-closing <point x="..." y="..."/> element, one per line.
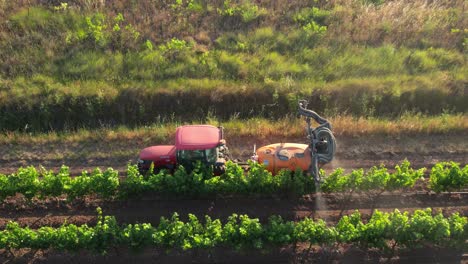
<point x="197" y="137"/>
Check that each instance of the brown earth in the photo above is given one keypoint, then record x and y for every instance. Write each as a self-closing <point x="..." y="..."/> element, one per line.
<point x="352" y="152"/>
<point x="289" y="254"/>
<point x="149" y="209"/>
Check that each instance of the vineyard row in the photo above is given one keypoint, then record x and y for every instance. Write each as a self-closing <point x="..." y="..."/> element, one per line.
<point x="382" y="231"/>
<point x="444" y="176"/>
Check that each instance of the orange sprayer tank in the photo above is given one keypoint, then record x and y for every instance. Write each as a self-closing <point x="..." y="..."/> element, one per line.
<point x="284" y="156"/>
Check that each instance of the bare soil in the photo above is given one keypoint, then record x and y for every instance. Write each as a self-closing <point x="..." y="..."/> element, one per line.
<point x="352" y="152"/>
<point x="224" y="255"/>
<point x="149" y="209"/>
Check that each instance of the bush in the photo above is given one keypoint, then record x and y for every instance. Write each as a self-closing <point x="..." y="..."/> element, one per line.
<point x="448" y="176"/>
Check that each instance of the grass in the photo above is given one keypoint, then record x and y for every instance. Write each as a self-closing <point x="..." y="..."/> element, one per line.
<point x="291" y="127"/>
<point x="92" y="64"/>
<point x="42" y="103"/>
<point x="418" y="23"/>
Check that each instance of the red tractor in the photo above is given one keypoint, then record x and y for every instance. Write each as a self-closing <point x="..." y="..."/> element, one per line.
<point x="193" y="143"/>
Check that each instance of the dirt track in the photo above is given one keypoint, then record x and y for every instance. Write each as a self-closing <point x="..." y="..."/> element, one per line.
<point x="149" y="209"/>
<point x="222" y="255"/>
<point x="352" y="152"/>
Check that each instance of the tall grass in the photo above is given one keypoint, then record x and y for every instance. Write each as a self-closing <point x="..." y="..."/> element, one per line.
<point x="259" y="128"/>
<point x="42" y="103"/>
<point x="94" y="63"/>
<point x="416" y="23"/>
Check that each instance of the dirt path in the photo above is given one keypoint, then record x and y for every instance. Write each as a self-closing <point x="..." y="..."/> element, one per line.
<point x="151" y="209"/>
<point x="352" y="152"/>
<point x="222" y="255"/>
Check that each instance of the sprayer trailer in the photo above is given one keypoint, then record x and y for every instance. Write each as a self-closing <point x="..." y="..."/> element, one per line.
<point x="307" y="157"/>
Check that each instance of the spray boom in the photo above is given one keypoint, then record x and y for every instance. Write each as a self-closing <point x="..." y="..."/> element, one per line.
<point x="322" y="142"/>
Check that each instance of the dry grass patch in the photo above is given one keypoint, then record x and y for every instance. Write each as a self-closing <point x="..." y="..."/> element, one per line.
<point x="408" y="124"/>
<point x="412" y="23"/>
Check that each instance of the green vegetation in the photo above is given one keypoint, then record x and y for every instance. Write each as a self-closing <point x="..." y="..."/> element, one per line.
<point x="447" y="176"/>
<point x="260" y="128"/>
<point x="201" y="182"/>
<point x="378" y="179"/>
<point x="383" y="231"/>
<point x="90" y="63"/>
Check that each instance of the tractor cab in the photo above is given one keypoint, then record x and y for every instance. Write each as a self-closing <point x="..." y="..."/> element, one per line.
<point x="201" y="143"/>
<point x="193" y="143"/>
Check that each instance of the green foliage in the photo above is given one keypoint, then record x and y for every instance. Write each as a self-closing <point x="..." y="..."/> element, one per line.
<point x="195" y="5"/>
<point x="369" y="61"/>
<point x="243" y="232"/>
<point x="25" y="181"/>
<point x="419" y="62"/>
<point x="79" y="186"/>
<point x="201" y="182"/>
<point x="429" y="60"/>
<point x="101" y="31"/>
<point x="314" y="232"/>
<point x="446" y="59"/>
<point x="404" y="177"/>
<point x="117" y="84"/>
<point x="339" y="182"/>
<point x="448" y="176"/>
<point x="61" y="7"/>
<point x="348" y="228"/>
<point x="4" y="189"/>
<point x="279" y="232"/>
<point x="36" y="19"/>
<point x="312" y="14"/>
<point x="174" y="46"/>
<point x="106" y="183"/>
<point x="135" y="184"/>
<point x="312" y="20"/>
<point x="231" y="42"/>
<point x="375" y="180"/>
<point x="232" y="66"/>
<point x="95" y="26"/>
<point x="246" y="10"/>
<point x="190" y="5"/>
<point x="375" y="234"/>
<point x="458" y="229"/>
<point x="53" y="185"/>
<point x="425" y="227"/>
<point x="91" y="65"/>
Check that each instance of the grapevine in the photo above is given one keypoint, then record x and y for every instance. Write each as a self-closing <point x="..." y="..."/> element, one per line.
<point x="381" y="231"/>
<point x="43" y="184"/>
